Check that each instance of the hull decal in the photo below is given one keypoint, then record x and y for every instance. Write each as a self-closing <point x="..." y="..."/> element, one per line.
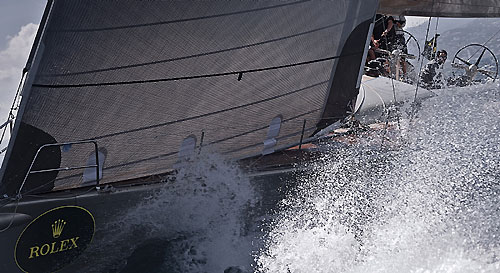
<point x="54" y="239"/>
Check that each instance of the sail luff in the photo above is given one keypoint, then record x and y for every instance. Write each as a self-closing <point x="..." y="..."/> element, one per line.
<point x="30" y="68"/>
<point x="39" y="34"/>
<point x="345" y="81"/>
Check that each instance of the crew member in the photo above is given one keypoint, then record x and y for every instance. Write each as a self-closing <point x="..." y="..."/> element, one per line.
<point x="432" y="77"/>
<point x="400" y="40"/>
<point x="383" y="36"/>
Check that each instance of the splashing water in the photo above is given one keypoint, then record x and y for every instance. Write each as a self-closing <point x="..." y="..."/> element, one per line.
<point x="192" y="224"/>
<point x="429" y="202"/>
<point x="424" y="200"/>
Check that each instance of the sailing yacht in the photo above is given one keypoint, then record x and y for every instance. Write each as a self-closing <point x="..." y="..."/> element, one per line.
<point x="118" y="96"/>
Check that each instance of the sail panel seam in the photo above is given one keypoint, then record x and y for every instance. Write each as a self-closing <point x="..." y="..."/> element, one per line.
<point x="211" y="143"/>
<point x="193" y="77"/>
<point x="193" y="55"/>
<point x="207" y="114"/>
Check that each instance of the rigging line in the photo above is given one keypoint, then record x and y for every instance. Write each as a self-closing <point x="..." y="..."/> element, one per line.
<point x="396" y="108"/>
<point x="13" y="215"/>
<point x="217" y="127"/>
<point x="183" y="20"/>
<point x="263" y="128"/>
<point x="4" y="127"/>
<point x="437" y="24"/>
<point x="412" y="113"/>
<point x="297" y="133"/>
<point x="205" y="145"/>
<point x="379" y="19"/>
<point x="491" y="38"/>
<point x="386" y="125"/>
<point x="194" y="55"/>
<point x="5" y="123"/>
<point x="255" y="161"/>
<point x="195" y="76"/>
<point x="434" y="41"/>
<point x="19" y="196"/>
<point x="395" y="100"/>
<point x="5" y="200"/>
<point x="13" y="107"/>
<point x="173" y="153"/>
<point x="64" y="196"/>
<point x="393" y="87"/>
<point x="206" y="114"/>
<point x="392" y="81"/>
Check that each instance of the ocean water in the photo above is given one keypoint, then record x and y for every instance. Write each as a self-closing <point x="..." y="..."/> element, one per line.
<point x="427" y="199"/>
<point x="422" y="196"/>
<point x="195" y="223"/>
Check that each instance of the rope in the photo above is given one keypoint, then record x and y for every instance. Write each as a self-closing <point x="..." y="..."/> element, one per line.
<point x="19" y="197"/>
<point x="13" y="107"/>
<point x="491" y="38"/>
<point x="413" y="111"/>
<point x="389" y="111"/>
<point x="202" y="115"/>
<point x="434" y="41"/>
<point x="12" y="218"/>
<point x="5" y="123"/>
<point x="4" y="127"/>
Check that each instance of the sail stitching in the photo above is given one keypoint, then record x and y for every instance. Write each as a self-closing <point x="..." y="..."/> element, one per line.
<point x="194" y="77"/>
<point x="211" y="143"/>
<point x="194" y="55"/>
<point x="207" y="114"/>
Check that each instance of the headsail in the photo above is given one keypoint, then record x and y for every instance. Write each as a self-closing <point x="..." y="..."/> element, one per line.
<point x="442" y="8"/>
<point x="141" y="77"/>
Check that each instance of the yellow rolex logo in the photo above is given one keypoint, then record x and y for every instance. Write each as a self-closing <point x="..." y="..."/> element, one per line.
<point x="54" y="247"/>
<point x="54" y="239"/>
<point x="57" y="228"/>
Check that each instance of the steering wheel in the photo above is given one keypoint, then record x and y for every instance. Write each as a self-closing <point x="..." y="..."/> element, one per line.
<point x="474" y="63"/>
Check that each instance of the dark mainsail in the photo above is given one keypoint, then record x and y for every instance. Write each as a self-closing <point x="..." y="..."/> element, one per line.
<point x="140" y="77"/>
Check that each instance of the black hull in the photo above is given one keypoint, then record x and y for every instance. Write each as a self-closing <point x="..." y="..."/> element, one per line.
<point x="108" y="205"/>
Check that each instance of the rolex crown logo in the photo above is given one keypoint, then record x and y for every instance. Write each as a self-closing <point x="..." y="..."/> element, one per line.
<point x="57" y="228"/>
